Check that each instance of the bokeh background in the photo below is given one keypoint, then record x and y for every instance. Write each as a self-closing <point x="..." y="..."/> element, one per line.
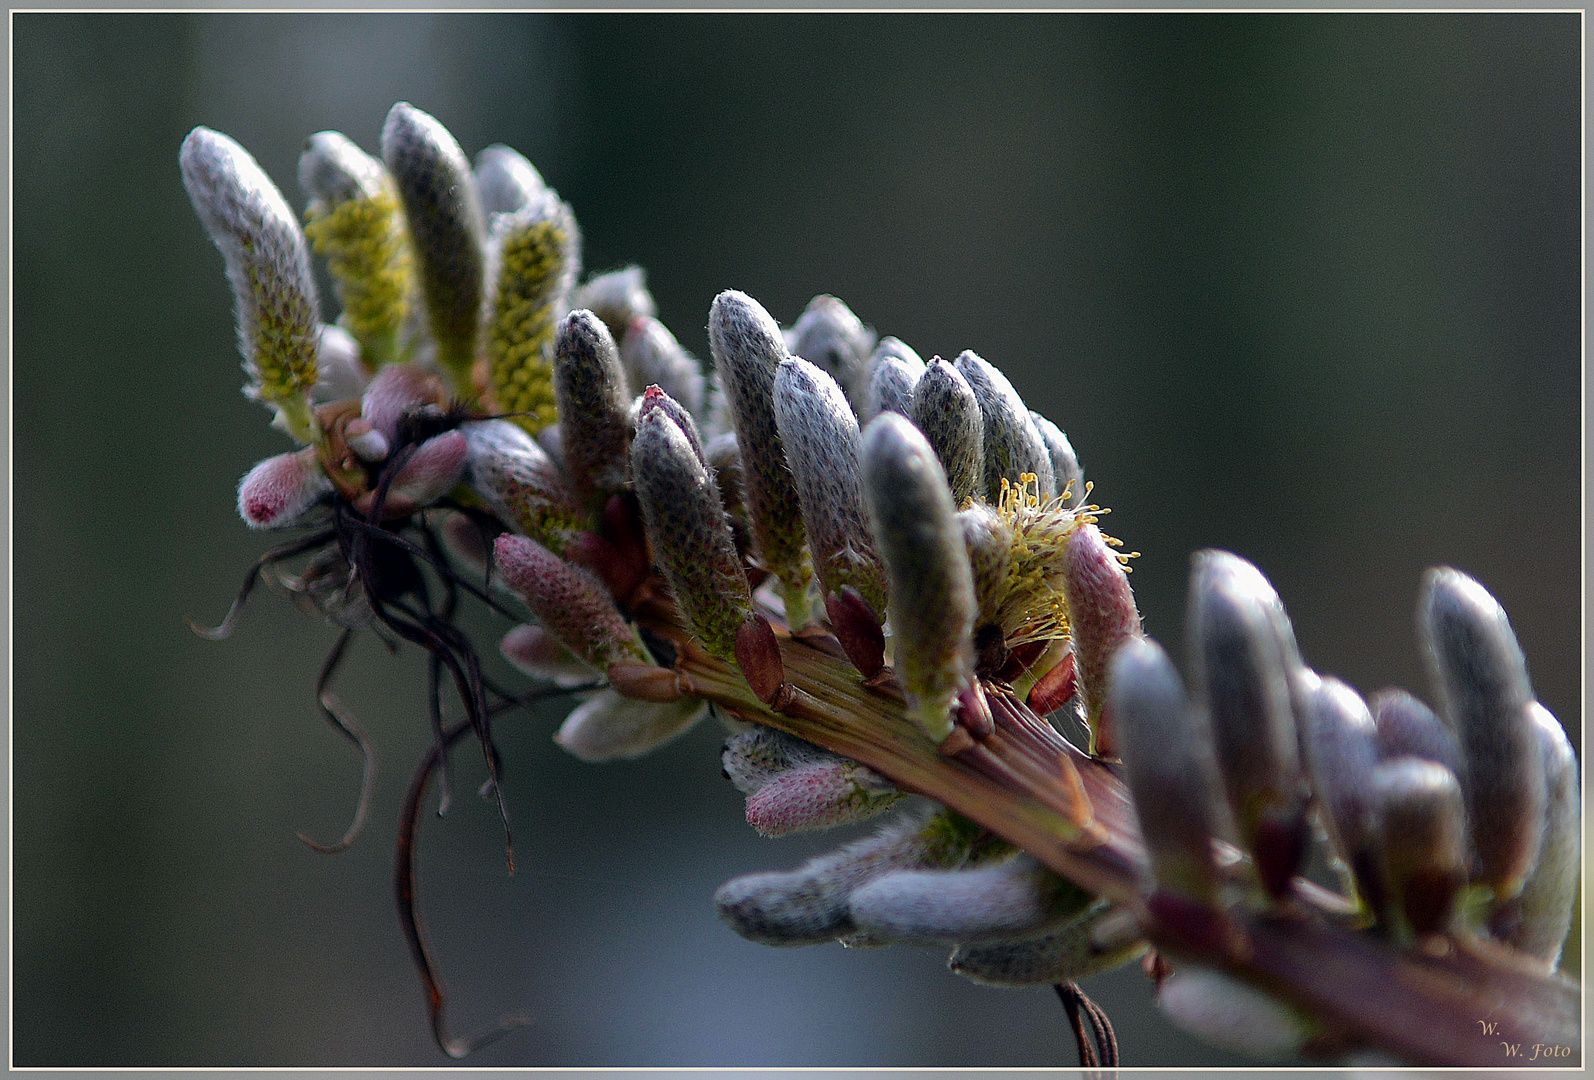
<point x="1305" y="287"/>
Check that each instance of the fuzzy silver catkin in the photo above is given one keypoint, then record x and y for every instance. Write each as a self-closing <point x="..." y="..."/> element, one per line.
<point x="988" y="539"/>
<point x="1065" y="463"/>
<point x="1481" y="680"/>
<point x="609" y="727"/>
<point x="520" y="483"/>
<point x="932" y="604"/>
<point x="724" y="462"/>
<point x="821" y="438"/>
<point x="618" y="298"/>
<point x="505" y="180"/>
<point x="946" y="409"/>
<point x="1232" y="1014"/>
<point x="339" y="373"/>
<point x="890" y="388"/>
<point x="747" y="347"/>
<point x="1014" y="896"/>
<point x="268" y="264"/>
<point x="809" y="905"/>
<point x="1339" y="739"/>
<point x="651" y="356"/>
<point x="1421" y="842"/>
<point x="1242" y="679"/>
<point x="1012" y="445"/>
<point x="594" y="429"/>
<point x="1405" y="727"/>
<point x="447" y="230"/>
<point x="1537" y="919"/>
<point x="656" y="398"/>
<point x="1068" y="953"/>
<point x="1171" y="770"/>
<point x="691" y="537"/>
<point x="750" y="759"/>
<point x="829" y="336"/>
<point x="569" y="601"/>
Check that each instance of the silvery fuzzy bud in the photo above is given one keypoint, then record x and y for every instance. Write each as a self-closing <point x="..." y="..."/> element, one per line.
<point x="1232" y="1014"/>
<point x="1242" y="680"/>
<point x="829" y="336"/>
<point x="355" y="221"/>
<point x="594" y="428"/>
<point x="1421" y="843"/>
<point x="809" y="904"/>
<point x="750" y="759"/>
<point x="339" y="373"/>
<point x="1171" y="771"/>
<point x="617" y="298"/>
<point x="268" y="264"/>
<point x="747" y="348"/>
<point x="1481" y="681"/>
<point x="946" y="409"/>
<point x="1065" y="463"/>
<point x="1068" y="953"/>
<point x="1405" y="727"/>
<point x="569" y="601"/>
<point x="932" y="603"/>
<point x="609" y="727"/>
<point x="1339" y="740"/>
<point x="1101" y="617"/>
<point x="897" y="349"/>
<point x="819" y="795"/>
<point x="656" y="398"/>
<point x="446" y="228"/>
<point x="535" y="257"/>
<point x="988" y="539"/>
<point x="537" y="653"/>
<point x="890" y="388"/>
<point x="651" y="356"/>
<point x="281" y="490"/>
<point x="690" y="535"/>
<point x="1004" y="899"/>
<point x="505" y="180"/>
<point x="1537" y="919"/>
<point x="725" y="465"/>
<point x="520" y="483"/>
<point x="1012" y="445"/>
<point x="820" y="435"/>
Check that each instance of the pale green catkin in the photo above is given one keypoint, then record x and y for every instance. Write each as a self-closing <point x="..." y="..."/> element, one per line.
<point x="747" y="347"/>
<point x="446" y="228"/>
<point x="520" y="483"/>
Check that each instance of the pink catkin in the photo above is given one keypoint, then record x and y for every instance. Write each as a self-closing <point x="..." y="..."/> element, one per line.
<point x="1102" y="616"/>
<point x="568" y="600"/>
<point x="275" y="492"/>
<point x="816" y="796"/>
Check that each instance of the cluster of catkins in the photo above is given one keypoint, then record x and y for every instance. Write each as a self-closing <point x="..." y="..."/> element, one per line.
<point x="918" y="513"/>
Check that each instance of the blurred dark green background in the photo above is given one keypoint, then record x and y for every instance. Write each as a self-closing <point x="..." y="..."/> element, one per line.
<point x="1303" y="287"/>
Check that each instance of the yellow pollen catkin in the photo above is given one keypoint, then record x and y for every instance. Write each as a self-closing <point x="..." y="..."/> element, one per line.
<point x="532" y="278"/>
<point x="368" y="255"/>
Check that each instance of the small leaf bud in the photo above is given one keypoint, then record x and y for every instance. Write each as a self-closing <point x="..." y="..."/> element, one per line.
<point x="945" y="408"/>
<point x="1421" y="838"/>
<point x="1101" y="616"/>
<point x="593" y="425"/>
<point x="535" y="257"/>
<point x="820" y="435"/>
<point x="268" y="264"/>
<point x="536" y="653"/>
<point x="1065" y="463"/>
<point x="819" y="795"/>
<point x="747" y="348"/>
<point x="1338" y="737"/>
<point x="1241" y="678"/>
<point x="1405" y="727"/>
<point x="446" y="228"/>
<point x="520" y="483"/>
<point x="505" y="180"/>
<point x="1012" y="445"/>
<point x="690" y="535"/>
<point x="932" y="606"/>
<point x="1171" y="772"/>
<point x="281" y="490"/>
<point x="651" y="356"/>
<point x="919" y="907"/>
<point x="609" y="727"/>
<point x="355" y="221"/>
<point x="1066" y="954"/>
<point x="618" y="298"/>
<point x="569" y="601"/>
<point x="1537" y="919"/>
<point x="1481" y="681"/>
<point x="829" y="336"/>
